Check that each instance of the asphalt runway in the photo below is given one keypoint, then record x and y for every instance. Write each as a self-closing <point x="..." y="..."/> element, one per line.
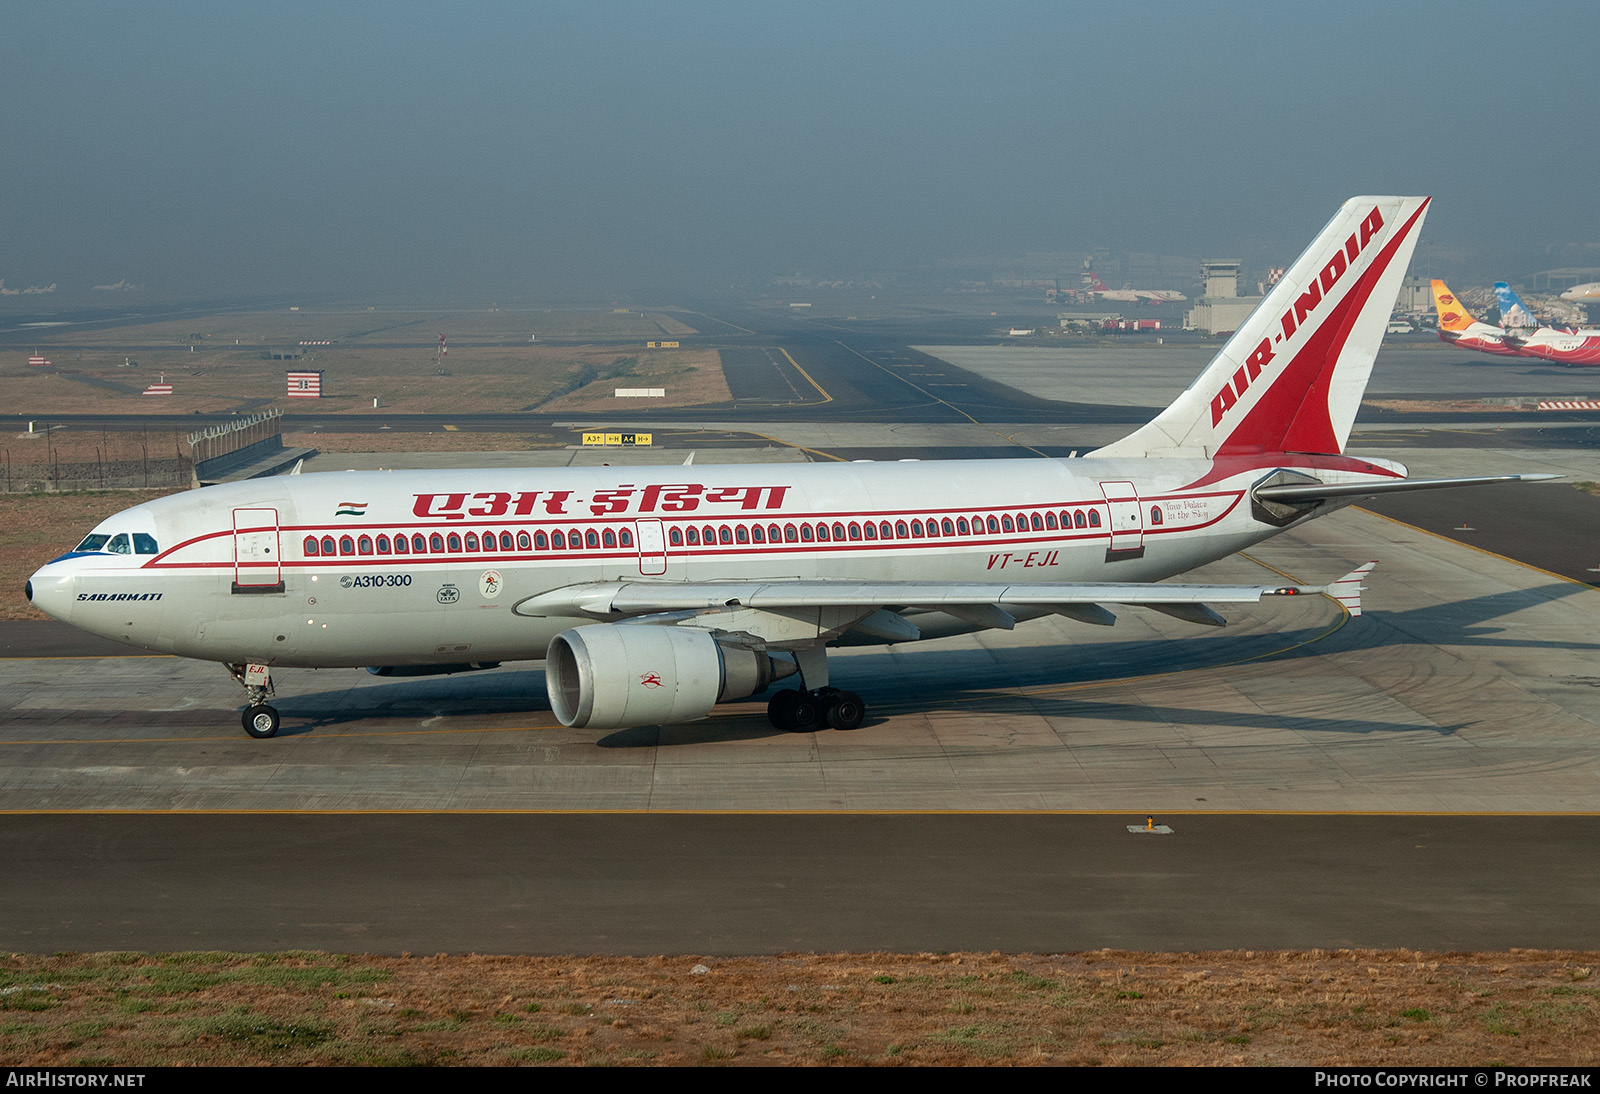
<point x="726" y="885"/>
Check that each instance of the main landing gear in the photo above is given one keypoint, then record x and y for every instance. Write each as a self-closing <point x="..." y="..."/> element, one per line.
<point x="260" y="720"/>
<point x="815" y="704"/>
<point x="804" y="711"/>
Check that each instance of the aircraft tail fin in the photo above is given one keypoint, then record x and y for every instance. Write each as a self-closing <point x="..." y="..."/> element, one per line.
<point x="1453" y="314"/>
<point x="1514" y="314"/>
<point x="1291" y="377"/>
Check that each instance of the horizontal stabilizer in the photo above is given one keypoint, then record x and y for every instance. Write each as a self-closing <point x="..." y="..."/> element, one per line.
<point x="1316" y="491"/>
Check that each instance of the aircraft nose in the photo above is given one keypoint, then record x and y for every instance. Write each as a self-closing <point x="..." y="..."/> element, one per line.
<point x="50" y="590"/>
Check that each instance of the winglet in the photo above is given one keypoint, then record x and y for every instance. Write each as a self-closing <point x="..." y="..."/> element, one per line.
<point x="1347" y="590"/>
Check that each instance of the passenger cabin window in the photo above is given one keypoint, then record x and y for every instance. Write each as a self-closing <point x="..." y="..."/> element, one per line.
<point x="310" y="546"/>
<point x="383" y="545"/>
<point x="364" y="545"/>
<point x="522" y="541"/>
<point x="472" y="541"/>
<point x="347" y="546"/>
<point x="1094" y="518"/>
<point x="401" y="546"/>
<point x="540" y="540"/>
<point x="627" y="538"/>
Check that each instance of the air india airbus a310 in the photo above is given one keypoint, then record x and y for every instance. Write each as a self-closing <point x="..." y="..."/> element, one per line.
<point x="653" y="594"/>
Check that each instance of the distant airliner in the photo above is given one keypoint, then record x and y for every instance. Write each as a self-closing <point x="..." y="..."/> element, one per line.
<point x="652" y="594"/>
<point x="1101" y="291"/>
<point x="1458" y="326"/>
<point x="1564" y="347"/>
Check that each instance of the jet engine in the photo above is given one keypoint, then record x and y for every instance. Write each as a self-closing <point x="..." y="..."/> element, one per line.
<point x="612" y="675"/>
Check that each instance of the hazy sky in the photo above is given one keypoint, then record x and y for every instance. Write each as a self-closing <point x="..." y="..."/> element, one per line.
<point x="507" y="148"/>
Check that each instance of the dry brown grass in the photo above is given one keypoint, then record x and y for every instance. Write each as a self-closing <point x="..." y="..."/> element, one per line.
<point x="1313" y="1008"/>
<point x="215" y="363"/>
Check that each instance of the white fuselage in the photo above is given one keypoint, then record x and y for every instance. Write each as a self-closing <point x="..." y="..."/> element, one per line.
<point x="308" y="570"/>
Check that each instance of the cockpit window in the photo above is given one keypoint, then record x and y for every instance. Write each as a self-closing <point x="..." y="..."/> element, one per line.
<point x="120" y="544"/>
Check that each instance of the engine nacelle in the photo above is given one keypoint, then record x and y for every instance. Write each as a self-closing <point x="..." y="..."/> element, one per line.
<point x="613" y="675"/>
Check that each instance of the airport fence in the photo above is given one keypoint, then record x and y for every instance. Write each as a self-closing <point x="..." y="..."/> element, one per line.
<point x="56" y="460"/>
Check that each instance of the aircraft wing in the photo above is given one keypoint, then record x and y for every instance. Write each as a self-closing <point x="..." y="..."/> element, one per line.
<point x="982" y="602"/>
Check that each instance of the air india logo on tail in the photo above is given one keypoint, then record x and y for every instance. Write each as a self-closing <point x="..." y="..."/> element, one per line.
<point x="1305" y="307"/>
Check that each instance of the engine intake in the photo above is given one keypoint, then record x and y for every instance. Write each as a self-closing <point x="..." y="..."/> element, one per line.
<point x="613" y="675"/>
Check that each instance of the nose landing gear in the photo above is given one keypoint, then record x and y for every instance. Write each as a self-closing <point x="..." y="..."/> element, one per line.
<point x="260" y="720"/>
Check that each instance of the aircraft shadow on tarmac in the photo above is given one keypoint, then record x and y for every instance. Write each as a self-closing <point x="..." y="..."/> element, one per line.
<point x="966" y="680"/>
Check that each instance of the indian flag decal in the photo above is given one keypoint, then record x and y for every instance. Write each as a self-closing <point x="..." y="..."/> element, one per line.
<point x="351" y="509"/>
